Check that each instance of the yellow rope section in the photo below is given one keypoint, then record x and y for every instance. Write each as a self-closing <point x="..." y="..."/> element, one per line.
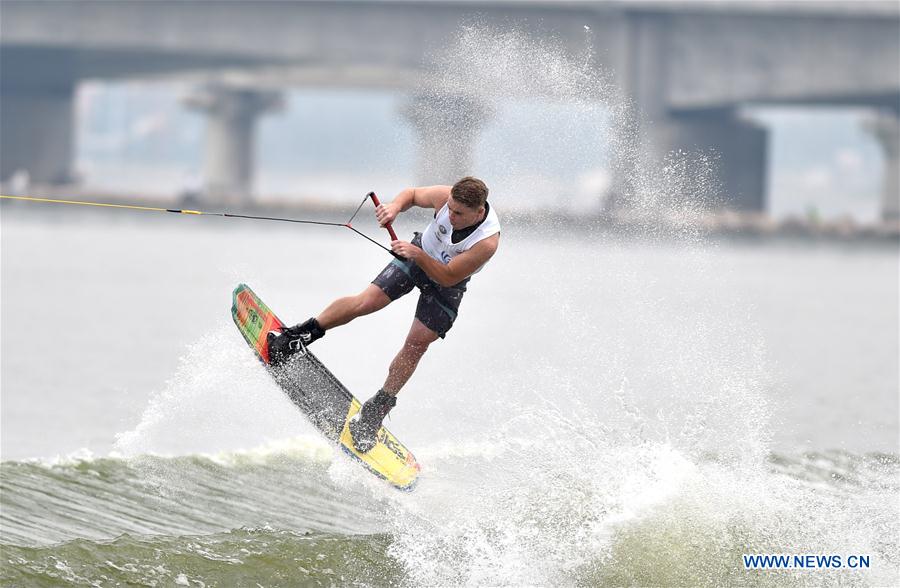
<point x="82" y="203"/>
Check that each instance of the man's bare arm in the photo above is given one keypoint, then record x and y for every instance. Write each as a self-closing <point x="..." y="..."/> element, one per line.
<point x="460" y="267"/>
<point x="424" y="197"/>
<point x="431" y="196"/>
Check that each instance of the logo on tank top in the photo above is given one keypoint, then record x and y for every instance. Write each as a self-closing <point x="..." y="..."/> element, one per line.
<point x="442" y="229"/>
<point x="446" y="257"/>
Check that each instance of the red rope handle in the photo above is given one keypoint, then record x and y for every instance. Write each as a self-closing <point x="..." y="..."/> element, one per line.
<point x="388" y="226"/>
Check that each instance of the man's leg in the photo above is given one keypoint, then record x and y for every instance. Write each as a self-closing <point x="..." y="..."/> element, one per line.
<point x="340" y="312"/>
<point x="364" y="429"/>
<point x="343" y="310"/>
<point x="406" y="361"/>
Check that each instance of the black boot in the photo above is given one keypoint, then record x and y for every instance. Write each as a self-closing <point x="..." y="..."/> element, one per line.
<point x="292" y="339"/>
<point x="364" y="426"/>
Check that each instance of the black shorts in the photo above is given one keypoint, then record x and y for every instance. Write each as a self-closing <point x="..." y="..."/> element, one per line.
<point x="438" y="305"/>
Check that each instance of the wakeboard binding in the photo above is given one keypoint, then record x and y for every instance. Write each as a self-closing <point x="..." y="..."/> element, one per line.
<point x="291" y="340"/>
<point x="365" y="425"/>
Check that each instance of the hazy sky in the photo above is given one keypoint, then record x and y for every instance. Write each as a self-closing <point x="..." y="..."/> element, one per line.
<point x="332" y="145"/>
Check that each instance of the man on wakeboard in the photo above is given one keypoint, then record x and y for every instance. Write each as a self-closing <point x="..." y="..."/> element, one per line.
<point x="459" y="241"/>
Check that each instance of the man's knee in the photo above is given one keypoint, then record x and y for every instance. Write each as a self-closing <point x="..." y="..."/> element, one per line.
<point x="372" y="299"/>
<point x="419" y="339"/>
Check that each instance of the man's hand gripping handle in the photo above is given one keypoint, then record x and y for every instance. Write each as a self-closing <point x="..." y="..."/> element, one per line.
<point x="388" y="226"/>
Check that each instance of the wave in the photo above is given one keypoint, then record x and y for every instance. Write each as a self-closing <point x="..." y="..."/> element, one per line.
<point x="242" y="557"/>
<point x="295" y="512"/>
<point x="649" y="514"/>
<point x="288" y="484"/>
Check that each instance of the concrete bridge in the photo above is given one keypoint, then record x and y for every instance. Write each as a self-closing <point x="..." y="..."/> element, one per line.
<point x="689" y="67"/>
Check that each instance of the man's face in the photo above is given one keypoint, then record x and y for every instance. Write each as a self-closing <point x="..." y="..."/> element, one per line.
<point x="461" y="216"/>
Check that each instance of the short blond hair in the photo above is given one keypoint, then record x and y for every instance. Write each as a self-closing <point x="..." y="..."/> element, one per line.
<point x="470" y="192"/>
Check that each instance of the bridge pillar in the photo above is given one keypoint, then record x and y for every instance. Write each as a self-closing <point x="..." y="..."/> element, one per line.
<point x="37" y="133"/>
<point x="738" y="146"/>
<point x="737" y="149"/>
<point x="447" y="126"/>
<point x="885" y="126"/>
<point x="231" y="138"/>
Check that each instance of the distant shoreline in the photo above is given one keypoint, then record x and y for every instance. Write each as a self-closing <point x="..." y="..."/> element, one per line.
<point x="729" y="224"/>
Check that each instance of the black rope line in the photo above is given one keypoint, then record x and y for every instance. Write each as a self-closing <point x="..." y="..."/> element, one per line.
<point x="368" y="238"/>
<point x="221" y="214"/>
<point x="311" y="222"/>
<point x="284" y="220"/>
<point x="358" y="208"/>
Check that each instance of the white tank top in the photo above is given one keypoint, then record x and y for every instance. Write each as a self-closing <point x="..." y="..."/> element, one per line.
<point x="436" y="240"/>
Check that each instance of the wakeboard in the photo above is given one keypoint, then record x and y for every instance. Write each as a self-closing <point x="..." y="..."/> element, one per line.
<point x="319" y="395"/>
